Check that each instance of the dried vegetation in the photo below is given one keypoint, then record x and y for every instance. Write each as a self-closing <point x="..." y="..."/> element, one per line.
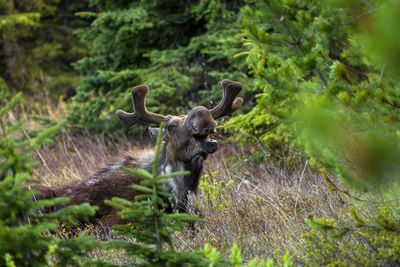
<point x="261" y="207"/>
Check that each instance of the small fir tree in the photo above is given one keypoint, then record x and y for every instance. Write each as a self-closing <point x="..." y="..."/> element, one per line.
<point x="25" y="232"/>
<point x="147" y="236"/>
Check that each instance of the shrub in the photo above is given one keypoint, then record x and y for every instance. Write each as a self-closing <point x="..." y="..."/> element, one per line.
<point x="213" y="192"/>
<point x="322" y="91"/>
<point x="25" y="232"/>
<point x="365" y="242"/>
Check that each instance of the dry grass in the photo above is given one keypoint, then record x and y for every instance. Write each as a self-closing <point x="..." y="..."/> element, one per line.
<point x="70" y="158"/>
<point x="262" y="208"/>
<point x="53" y="110"/>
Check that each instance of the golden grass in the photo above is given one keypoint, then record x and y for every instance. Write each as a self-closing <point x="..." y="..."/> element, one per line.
<point x="76" y="157"/>
<point x="266" y="210"/>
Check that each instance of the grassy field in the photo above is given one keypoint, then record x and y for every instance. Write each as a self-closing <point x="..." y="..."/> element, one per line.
<point x="261" y="207"/>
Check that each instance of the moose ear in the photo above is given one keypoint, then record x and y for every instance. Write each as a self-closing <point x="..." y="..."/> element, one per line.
<point x="154" y="133"/>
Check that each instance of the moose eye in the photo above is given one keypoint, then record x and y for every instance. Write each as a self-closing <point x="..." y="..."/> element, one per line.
<point x="195" y="129"/>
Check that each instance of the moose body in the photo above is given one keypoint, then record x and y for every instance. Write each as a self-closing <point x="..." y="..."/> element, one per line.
<point x="186" y="144"/>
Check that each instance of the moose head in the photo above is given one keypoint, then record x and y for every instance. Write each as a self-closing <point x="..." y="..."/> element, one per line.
<point x="187" y="138"/>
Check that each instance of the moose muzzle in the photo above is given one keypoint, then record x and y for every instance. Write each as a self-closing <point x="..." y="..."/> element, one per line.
<point x="209" y="145"/>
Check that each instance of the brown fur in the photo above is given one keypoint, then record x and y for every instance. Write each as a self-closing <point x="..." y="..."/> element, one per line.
<point x="105" y="184"/>
<point x="180" y="151"/>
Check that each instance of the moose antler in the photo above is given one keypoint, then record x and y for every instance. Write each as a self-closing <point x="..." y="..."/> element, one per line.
<point x="229" y="102"/>
<point x="141" y="115"/>
<point x="227" y="106"/>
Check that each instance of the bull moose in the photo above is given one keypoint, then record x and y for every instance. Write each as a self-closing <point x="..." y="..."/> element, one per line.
<point x="186" y="144"/>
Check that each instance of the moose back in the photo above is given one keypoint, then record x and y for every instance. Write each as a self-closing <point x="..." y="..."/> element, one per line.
<point x="186" y="144"/>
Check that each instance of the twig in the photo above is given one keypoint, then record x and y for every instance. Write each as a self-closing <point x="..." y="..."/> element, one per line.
<point x="40" y="156"/>
<point x="226" y="167"/>
<point x="298" y="187"/>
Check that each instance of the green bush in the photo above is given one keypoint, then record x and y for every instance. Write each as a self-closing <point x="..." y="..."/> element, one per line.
<point x="214" y="192"/>
<point x="25" y="232"/>
<point x="322" y="90"/>
<point x="365" y="242"/>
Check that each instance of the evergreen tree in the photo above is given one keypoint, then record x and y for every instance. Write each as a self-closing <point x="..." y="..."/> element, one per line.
<point x="182" y="50"/>
<point x="331" y="91"/>
<point x="38" y="44"/>
<point x="323" y="90"/>
<point x="25" y="232"/>
<point x="150" y="227"/>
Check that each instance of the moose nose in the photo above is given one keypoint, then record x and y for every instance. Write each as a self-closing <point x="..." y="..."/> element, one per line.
<point x="211" y="146"/>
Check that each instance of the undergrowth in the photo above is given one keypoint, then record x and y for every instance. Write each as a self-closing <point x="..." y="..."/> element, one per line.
<point x="261" y="211"/>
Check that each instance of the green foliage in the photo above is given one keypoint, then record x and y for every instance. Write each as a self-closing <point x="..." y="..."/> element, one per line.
<point x="323" y="92"/>
<point x="38" y="44"/>
<point x="326" y="75"/>
<point x="216" y="259"/>
<point x="328" y="72"/>
<point x="181" y="50"/>
<point x="25" y="238"/>
<point x="366" y="242"/>
<point x="213" y="192"/>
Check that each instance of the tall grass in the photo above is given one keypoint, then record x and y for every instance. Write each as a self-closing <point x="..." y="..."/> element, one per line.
<point x="75" y="157"/>
<point x="261" y="207"/>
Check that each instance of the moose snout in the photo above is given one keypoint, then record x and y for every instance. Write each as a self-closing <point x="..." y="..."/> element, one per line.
<point x="210" y="145"/>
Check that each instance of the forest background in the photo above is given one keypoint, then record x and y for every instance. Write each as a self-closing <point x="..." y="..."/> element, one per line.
<point x="311" y="163"/>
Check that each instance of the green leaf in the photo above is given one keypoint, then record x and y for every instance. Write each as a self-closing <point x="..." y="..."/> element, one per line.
<point x="11" y="104"/>
<point x="142" y="197"/>
<point x="142" y="188"/>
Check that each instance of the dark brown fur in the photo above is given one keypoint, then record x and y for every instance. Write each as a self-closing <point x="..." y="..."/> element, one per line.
<point x="180" y="151"/>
